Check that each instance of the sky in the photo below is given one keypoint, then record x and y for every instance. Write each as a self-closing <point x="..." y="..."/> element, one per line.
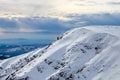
<point x="46" y="19"/>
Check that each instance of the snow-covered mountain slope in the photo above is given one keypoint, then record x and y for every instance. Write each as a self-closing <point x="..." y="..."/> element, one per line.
<point x="86" y="53"/>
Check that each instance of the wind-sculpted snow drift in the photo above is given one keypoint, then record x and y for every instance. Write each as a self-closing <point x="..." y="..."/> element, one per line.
<point x="86" y="53"/>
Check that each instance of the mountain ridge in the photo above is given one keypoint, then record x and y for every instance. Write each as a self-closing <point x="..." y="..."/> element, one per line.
<point x="85" y="53"/>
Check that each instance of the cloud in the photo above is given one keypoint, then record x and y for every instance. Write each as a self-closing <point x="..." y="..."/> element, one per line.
<point x="40" y="27"/>
<point x="1" y="33"/>
<point x="55" y="7"/>
<point x="95" y="19"/>
<point x="43" y="23"/>
<point x="114" y="3"/>
<point x="33" y="25"/>
<point x="55" y="25"/>
<point x="28" y="30"/>
<point x="7" y="23"/>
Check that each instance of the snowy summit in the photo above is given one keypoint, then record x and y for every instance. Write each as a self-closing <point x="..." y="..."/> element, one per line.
<point x="85" y="53"/>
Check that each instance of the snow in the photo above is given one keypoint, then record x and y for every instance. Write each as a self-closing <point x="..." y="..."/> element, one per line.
<point x="85" y="53"/>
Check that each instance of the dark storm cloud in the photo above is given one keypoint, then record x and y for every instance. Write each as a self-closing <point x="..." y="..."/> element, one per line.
<point x="95" y="19"/>
<point x="47" y="25"/>
<point x="7" y="23"/>
<point x="44" y="23"/>
<point x="39" y="25"/>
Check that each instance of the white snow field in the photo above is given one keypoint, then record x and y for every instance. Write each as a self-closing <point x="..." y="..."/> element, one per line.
<point x="85" y="53"/>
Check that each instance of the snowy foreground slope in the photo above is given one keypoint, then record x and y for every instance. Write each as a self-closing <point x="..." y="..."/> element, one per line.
<point x="86" y="53"/>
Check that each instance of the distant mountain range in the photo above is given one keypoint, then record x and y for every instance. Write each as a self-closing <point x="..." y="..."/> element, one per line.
<point x="22" y="41"/>
<point x="14" y="47"/>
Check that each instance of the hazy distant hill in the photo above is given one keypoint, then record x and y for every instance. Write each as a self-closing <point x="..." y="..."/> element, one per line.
<point x="14" y="47"/>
